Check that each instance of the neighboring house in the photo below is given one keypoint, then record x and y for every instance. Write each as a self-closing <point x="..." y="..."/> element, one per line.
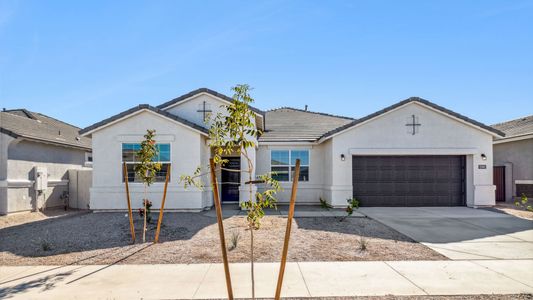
<point x="513" y="159"/>
<point x="413" y="153"/>
<point x="36" y="152"/>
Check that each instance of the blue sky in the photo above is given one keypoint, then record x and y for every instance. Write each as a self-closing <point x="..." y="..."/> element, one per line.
<point x="83" y="61"/>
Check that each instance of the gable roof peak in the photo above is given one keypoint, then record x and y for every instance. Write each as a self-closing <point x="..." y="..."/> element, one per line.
<point x="18" y="111"/>
<point x="428" y="103"/>
<point x="416" y="98"/>
<point x="208" y="91"/>
<point x="140" y="107"/>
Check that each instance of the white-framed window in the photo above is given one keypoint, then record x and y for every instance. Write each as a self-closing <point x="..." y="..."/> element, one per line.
<point x="88" y="159"/>
<point x="129" y="156"/>
<point x="282" y="162"/>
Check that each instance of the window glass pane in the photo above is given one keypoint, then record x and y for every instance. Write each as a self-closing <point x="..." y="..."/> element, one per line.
<point x="304" y="173"/>
<point x="303" y="155"/>
<point x="164" y="152"/>
<point x="279" y="157"/>
<point x="128" y="153"/>
<point x="131" y="173"/>
<point x="282" y="173"/>
<point x="162" y="174"/>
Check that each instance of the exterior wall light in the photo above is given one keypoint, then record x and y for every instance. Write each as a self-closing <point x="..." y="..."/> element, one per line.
<point x="342" y="157"/>
<point x="483" y="156"/>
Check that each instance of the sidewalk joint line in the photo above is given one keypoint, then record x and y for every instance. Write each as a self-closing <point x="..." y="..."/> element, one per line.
<point x="201" y="281"/>
<point x="464" y="252"/>
<point x="412" y="282"/>
<point x="303" y="278"/>
<point x="497" y="272"/>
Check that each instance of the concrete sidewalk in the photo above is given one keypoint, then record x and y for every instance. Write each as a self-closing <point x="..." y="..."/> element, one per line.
<point x="315" y="279"/>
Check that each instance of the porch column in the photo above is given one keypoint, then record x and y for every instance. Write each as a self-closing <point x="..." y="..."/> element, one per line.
<point x="244" y="192"/>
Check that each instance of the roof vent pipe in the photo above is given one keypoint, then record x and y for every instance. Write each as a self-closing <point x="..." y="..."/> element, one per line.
<point x="305" y="107"/>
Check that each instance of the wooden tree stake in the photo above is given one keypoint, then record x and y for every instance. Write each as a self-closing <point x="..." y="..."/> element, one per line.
<point x="130" y="214"/>
<point x="160" y="219"/>
<point x="218" y="207"/>
<point x="288" y="229"/>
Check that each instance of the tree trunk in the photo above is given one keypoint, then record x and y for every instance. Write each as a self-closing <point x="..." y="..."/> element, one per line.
<point x="252" y="260"/>
<point x="145" y="212"/>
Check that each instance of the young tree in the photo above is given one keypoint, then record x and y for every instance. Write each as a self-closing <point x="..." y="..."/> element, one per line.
<point x="235" y="132"/>
<point x="147" y="169"/>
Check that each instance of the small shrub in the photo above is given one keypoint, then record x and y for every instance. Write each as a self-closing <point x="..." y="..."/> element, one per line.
<point x="363" y="243"/>
<point x="234" y="240"/>
<point x="148" y="210"/>
<point x="353" y="204"/>
<point x="523" y="203"/>
<point x="324" y="204"/>
<point x="45" y="245"/>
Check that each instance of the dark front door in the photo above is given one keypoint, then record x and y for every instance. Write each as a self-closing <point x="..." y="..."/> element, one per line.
<point x="423" y="180"/>
<point x="499" y="181"/>
<point x="231" y="180"/>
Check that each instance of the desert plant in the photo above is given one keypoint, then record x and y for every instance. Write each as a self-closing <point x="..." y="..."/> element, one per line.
<point x="353" y="204"/>
<point x="523" y="203"/>
<point x="235" y="132"/>
<point x="234" y="240"/>
<point x="324" y="204"/>
<point x="147" y="169"/>
<point x="45" y="245"/>
<point x="147" y="207"/>
<point x="363" y="243"/>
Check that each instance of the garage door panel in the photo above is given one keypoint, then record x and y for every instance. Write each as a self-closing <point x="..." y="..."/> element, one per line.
<point x="408" y="180"/>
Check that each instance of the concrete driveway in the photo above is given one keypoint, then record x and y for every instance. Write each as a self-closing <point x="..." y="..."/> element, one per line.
<point x="460" y="232"/>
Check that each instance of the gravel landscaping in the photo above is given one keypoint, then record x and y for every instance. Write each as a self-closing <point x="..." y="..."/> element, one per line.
<point x="103" y="238"/>
<point x="513" y="210"/>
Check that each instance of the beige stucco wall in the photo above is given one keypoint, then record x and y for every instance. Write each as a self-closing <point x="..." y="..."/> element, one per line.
<point x="22" y="157"/>
<point x="187" y="153"/>
<point x="5" y="140"/>
<point x="517" y="157"/>
<point x="388" y="135"/>
<point x="188" y="109"/>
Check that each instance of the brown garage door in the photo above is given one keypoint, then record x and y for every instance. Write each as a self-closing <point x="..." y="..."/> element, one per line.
<point x="409" y="180"/>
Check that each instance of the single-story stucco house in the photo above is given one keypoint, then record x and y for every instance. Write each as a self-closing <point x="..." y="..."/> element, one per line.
<point x="513" y="159"/>
<point x="36" y="152"/>
<point x="412" y="153"/>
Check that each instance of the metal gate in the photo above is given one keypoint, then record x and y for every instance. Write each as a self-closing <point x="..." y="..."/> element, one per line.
<point x="499" y="181"/>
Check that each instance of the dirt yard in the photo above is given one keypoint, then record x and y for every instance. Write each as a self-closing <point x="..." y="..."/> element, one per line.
<point x="513" y="210"/>
<point x="459" y="297"/>
<point x="103" y="238"/>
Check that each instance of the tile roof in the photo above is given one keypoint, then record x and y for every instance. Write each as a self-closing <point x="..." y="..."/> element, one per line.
<point x="291" y="124"/>
<point x="141" y="107"/>
<point x="38" y="127"/>
<point x="521" y="126"/>
<point x="409" y="100"/>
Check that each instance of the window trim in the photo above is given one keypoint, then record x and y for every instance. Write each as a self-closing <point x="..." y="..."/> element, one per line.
<point x="132" y="163"/>
<point x="290" y="165"/>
